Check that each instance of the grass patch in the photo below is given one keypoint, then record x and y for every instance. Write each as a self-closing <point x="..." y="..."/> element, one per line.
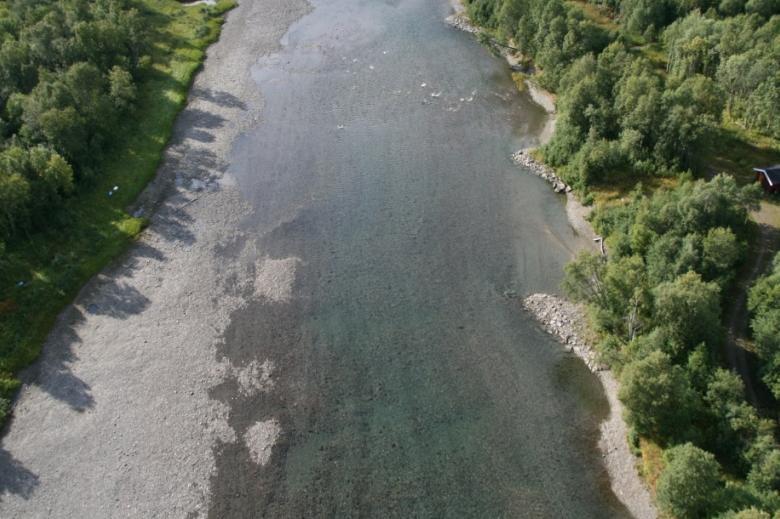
<point x="619" y="187"/>
<point x="652" y="462"/>
<point x="43" y="273"/>
<point x="655" y="54"/>
<point x="519" y="79"/>
<point x="736" y="151"/>
<point x="597" y="14"/>
<point x="769" y="212"/>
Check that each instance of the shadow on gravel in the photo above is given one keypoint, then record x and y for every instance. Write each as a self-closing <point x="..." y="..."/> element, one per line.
<point x="53" y="373"/>
<point x="119" y="300"/>
<point x="173" y="224"/>
<point x="14" y="477"/>
<point x="197" y="118"/>
<point x="201" y="136"/>
<point x="219" y="97"/>
<point x="144" y="250"/>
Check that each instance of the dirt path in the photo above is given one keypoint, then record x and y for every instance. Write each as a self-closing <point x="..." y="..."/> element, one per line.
<point x="738" y="318"/>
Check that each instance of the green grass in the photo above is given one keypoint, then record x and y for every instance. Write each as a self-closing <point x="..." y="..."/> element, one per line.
<point x="597" y="14"/>
<point x="737" y="151"/>
<point x="94" y="228"/>
<point x="652" y="462"/>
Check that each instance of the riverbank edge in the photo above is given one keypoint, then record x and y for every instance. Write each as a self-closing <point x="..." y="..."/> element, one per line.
<point x="564" y="320"/>
<point x="120" y="403"/>
<point x="128" y="227"/>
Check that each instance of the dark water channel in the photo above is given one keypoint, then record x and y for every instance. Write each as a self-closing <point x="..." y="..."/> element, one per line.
<point x="408" y="382"/>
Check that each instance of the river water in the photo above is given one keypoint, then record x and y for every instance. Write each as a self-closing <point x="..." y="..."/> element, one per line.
<point x="397" y="239"/>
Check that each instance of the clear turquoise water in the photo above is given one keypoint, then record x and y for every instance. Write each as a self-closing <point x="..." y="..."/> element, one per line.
<point x="407" y="383"/>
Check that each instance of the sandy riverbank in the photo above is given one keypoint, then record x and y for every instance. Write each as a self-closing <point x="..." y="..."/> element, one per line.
<point x="117" y="409"/>
<point x="563" y="319"/>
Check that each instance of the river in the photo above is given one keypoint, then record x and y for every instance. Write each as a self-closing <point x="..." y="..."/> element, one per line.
<point x="395" y="239"/>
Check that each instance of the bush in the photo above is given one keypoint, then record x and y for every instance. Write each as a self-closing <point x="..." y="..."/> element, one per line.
<point x="764" y="304"/>
<point x="689" y="486"/>
<point x="659" y="402"/>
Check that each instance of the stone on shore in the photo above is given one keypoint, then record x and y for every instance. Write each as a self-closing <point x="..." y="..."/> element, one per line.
<point x="461" y="22"/>
<point x="523" y="158"/>
<point x="565" y="321"/>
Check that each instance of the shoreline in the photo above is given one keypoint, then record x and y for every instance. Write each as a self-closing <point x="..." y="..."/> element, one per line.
<point x="576" y="212"/>
<point x="138" y="345"/>
<point x="565" y="320"/>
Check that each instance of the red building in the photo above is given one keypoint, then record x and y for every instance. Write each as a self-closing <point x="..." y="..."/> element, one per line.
<point x="769" y="178"/>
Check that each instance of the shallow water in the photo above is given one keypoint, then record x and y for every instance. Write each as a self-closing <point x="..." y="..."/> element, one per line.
<point x="407" y="380"/>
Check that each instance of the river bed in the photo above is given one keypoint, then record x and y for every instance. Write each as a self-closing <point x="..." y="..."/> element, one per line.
<point x="408" y="383"/>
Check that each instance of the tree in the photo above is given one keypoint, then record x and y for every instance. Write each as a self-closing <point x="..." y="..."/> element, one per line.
<point x="14" y="199"/>
<point x="32" y="182"/>
<point x="764" y="304"/>
<point x="735" y="422"/>
<point x="638" y="98"/>
<point x="692" y="112"/>
<point x="692" y="43"/>
<point x="638" y="15"/>
<point x="765" y="8"/>
<point x="747" y="513"/>
<point x="720" y="254"/>
<point x="659" y="402"/>
<point x="690" y="309"/>
<point x="765" y="473"/>
<point x="584" y="279"/>
<point x="689" y="486"/>
<point x="121" y="88"/>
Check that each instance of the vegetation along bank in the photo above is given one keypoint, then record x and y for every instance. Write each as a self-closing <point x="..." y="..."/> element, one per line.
<point x="88" y="94"/>
<point x="663" y="109"/>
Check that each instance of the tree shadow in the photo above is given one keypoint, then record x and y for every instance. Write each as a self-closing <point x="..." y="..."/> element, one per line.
<point x="197" y="118"/>
<point x="172" y="224"/>
<point x="15" y="478"/>
<point x="201" y="136"/>
<point x="53" y="372"/>
<point x="219" y="97"/>
<point x="143" y="250"/>
<point x="118" y="300"/>
<point x="105" y="296"/>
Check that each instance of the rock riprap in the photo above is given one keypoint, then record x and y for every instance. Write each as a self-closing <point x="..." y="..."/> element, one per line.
<point x="565" y="321"/>
<point x="525" y="159"/>
<point x="461" y="22"/>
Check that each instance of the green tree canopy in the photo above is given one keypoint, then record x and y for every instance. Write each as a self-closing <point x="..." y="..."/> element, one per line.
<point x="659" y="401"/>
<point x="689" y="486"/>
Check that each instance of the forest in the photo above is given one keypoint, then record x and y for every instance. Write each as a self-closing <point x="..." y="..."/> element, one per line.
<point x="68" y="73"/>
<point x="643" y="88"/>
<point x="640" y="97"/>
<point x="89" y="90"/>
